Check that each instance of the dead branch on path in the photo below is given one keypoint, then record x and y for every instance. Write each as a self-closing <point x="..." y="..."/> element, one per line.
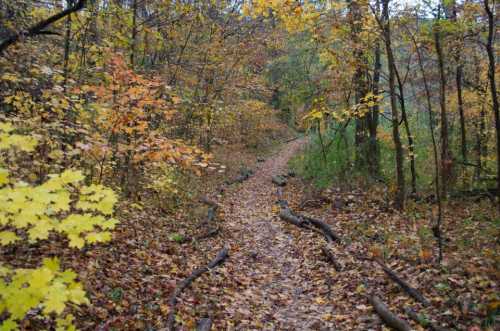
<point x="390" y="319"/>
<point x="413" y="292"/>
<point x="302" y="221"/>
<point x="325" y="228"/>
<point x="172" y="302"/>
<point x="331" y="257"/>
<point x="243" y="176"/>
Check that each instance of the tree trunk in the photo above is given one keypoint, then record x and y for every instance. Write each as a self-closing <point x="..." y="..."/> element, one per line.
<point x="134" y="33"/>
<point x="67" y="44"/>
<point x="490" y="49"/>
<point x="437" y="184"/>
<point x="360" y="87"/>
<point x="458" y="82"/>
<point x="411" y="143"/>
<point x="400" y="194"/>
<point x="374" y="160"/>
<point x="463" y="136"/>
<point x="446" y="158"/>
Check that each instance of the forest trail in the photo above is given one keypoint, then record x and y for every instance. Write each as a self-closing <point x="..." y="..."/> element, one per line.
<point x="267" y="266"/>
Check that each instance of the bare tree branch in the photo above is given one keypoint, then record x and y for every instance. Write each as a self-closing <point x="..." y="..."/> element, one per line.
<point x="39" y="28"/>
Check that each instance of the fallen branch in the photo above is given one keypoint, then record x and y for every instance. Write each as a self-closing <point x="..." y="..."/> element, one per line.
<point x="244" y="175"/>
<point x="307" y="222"/>
<point x="331" y="257"/>
<point x="413" y="292"/>
<point x="279" y="180"/>
<point x="390" y="319"/>
<point x="221" y="256"/>
<point x="40" y="27"/>
<point x="325" y="228"/>
<point x="286" y="214"/>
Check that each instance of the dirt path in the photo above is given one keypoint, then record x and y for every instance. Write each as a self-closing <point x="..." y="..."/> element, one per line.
<point x="267" y="270"/>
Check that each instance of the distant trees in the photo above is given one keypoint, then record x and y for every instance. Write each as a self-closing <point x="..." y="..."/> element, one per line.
<point x="429" y="66"/>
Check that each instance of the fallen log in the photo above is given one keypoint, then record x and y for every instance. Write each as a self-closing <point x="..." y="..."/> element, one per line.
<point x="172" y="302"/>
<point x="287" y="215"/>
<point x="325" y="228"/>
<point x="423" y="322"/>
<point x="205" y="324"/>
<point x="310" y="223"/>
<point x="279" y="180"/>
<point x="413" y="292"/>
<point x="243" y="176"/>
<point x="331" y="257"/>
<point x="389" y="318"/>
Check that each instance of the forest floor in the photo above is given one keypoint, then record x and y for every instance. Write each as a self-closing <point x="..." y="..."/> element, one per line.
<point x="276" y="276"/>
<point x="272" y="287"/>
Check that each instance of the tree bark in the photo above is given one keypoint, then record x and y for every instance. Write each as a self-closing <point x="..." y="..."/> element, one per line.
<point x="414" y="293"/>
<point x="67" y="46"/>
<point x="400" y="194"/>
<point x="428" y="98"/>
<point x="490" y="49"/>
<point x="446" y="157"/>
<point x="411" y="143"/>
<point x="134" y="33"/>
<point x="389" y="318"/>
<point x="360" y="87"/>
<point x="374" y="160"/>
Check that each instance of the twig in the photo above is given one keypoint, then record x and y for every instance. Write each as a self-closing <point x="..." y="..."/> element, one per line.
<point x="221" y="256"/>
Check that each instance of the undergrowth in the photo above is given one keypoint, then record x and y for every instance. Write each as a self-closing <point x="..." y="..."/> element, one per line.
<point x="333" y="164"/>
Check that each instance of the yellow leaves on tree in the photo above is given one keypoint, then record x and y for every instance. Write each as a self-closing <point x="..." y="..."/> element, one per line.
<point x="38" y="210"/>
<point x="61" y="205"/>
<point x="46" y="286"/>
<point x="295" y="16"/>
<point x="321" y="109"/>
<point x="134" y="114"/>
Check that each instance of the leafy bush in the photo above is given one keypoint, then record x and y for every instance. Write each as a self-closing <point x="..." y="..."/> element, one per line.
<point x="28" y="214"/>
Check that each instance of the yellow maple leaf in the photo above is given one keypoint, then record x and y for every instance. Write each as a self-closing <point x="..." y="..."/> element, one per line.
<point x="55" y="300"/>
<point x="8" y="237"/>
<point x="76" y="241"/>
<point x="40" y="278"/>
<point x="4" y="176"/>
